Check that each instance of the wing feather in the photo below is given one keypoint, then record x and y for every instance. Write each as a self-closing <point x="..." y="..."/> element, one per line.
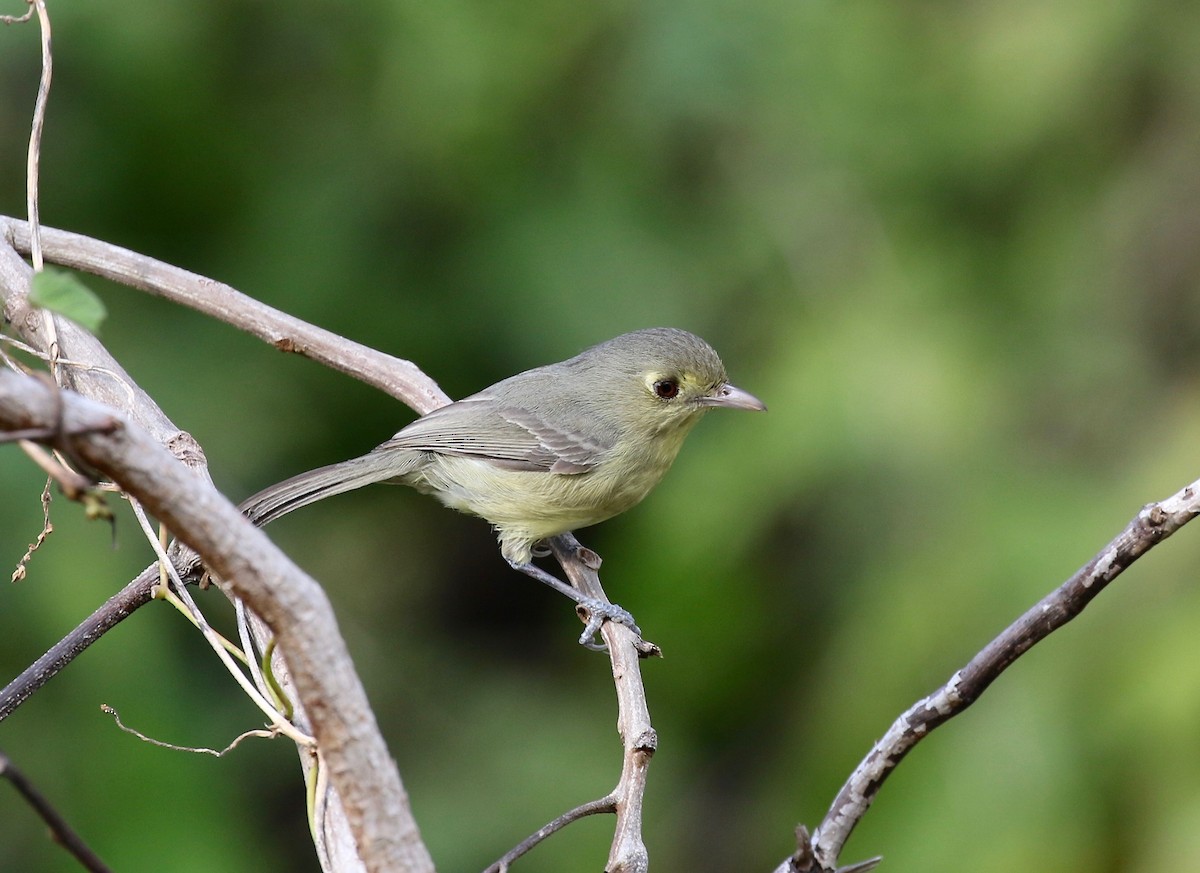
<point x="515" y="438"/>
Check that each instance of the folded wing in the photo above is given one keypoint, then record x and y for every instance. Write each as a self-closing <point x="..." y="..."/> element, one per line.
<point x="510" y="437"/>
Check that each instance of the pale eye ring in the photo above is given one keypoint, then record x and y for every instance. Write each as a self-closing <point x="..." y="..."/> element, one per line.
<point x="667" y="389"/>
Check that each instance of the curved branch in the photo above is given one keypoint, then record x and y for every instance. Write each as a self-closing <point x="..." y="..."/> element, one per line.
<point x="608" y="803"/>
<point x="397" y="377"/>
<point x="1153" y="524"/>
<point x="290" y="602"/>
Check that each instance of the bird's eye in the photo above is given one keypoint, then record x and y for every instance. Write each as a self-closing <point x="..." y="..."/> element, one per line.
<point x="666" y="388"/>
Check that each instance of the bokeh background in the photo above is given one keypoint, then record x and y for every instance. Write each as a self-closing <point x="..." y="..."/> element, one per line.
<point x="953" y="246"/>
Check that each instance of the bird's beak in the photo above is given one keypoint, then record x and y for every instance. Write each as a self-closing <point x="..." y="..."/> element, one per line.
<point x="732" y="397"/>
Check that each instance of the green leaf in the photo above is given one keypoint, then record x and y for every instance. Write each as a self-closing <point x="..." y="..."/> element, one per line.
<point x="59" y="291"/>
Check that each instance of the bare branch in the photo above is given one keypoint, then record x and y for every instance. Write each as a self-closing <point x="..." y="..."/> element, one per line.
<point x="290" y="602"/>
<point x="114" y="610"/>
<point x="628" y="852"/>
<point x="607" y="803"/>
<point x="1153" y="524"/>
<point x="88" y="367"/>
<point x="626" y="649"/>
<point x="103" y="379"/>
<point x="395" y="376"/>
<point x="62" y="832"/>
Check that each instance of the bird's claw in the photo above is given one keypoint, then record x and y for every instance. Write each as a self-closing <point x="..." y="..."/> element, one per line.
<point x="596" y="612"/>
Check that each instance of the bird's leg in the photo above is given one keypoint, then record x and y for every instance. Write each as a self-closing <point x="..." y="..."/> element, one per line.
<point x="598" y="610"/>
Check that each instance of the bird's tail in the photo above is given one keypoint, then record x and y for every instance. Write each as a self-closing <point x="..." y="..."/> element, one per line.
<point x="305" y="488"/>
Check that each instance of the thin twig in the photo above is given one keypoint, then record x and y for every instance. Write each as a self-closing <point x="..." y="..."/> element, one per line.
<point x="260" y="733"/>
<point x="32" y="174"/>
<point x="1154" y="523"/>
<point x="47" y="529"/>
<point x="111" y="613"/>
<point x="604" y="804"/>
<point x="248" y="647"/>
<point x="72" y="484"/>
<point x="59" y="829"/>
<point x="65" y="363"/>
<point x="35" y="136"/>
<point x="626" y="649"/>
<point x="19" y="19"/>
<point x="218" y="643"/>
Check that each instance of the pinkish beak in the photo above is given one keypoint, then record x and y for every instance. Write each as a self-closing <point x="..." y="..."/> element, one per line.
<point x="732" y="397"/>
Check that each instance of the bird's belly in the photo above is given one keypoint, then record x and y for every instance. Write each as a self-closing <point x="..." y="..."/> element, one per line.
<point x="527" y="506"/>
<point x="544" y="504"/>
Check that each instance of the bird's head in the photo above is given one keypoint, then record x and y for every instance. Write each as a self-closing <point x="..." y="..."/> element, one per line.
<point x="674" y="377"/>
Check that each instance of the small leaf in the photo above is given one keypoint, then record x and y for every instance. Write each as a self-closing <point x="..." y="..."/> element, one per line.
<point x="59" y="291"/>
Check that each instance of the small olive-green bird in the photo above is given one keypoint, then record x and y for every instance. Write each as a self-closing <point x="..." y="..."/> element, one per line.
<point x="548" y="450"/>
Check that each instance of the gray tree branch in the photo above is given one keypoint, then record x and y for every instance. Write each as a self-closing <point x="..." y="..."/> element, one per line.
<point x="1153" y="524"/>
<point x="292" y="604"/>
<point x="625" y="649"/>
<point x="88" y="368"/>
<point x="395" y="376"/>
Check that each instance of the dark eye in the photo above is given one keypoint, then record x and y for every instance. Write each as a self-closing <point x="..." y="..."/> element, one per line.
<point x="666" y="388"/>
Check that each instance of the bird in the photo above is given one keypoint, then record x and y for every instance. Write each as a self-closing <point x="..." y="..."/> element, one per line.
<point x="547" y="451"/>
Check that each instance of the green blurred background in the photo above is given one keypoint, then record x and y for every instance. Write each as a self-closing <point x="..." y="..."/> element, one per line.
<point x="953" y="246"/>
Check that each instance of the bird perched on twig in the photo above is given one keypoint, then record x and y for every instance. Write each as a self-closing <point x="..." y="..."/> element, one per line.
<point x="546" y="451"/>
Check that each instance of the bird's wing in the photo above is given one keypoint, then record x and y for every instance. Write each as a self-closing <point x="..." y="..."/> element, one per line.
<point x="511" y="437"/>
